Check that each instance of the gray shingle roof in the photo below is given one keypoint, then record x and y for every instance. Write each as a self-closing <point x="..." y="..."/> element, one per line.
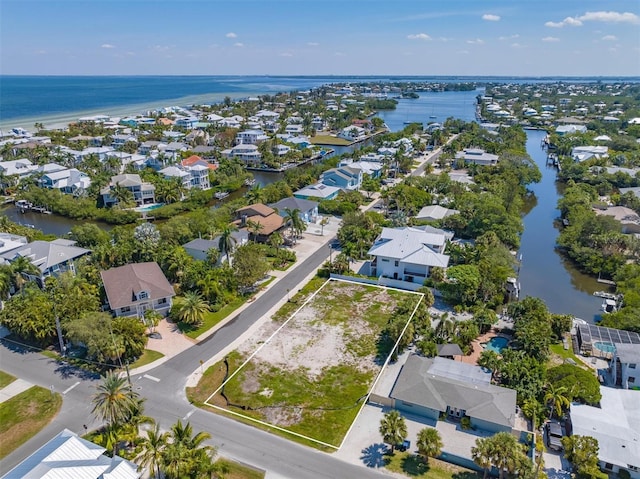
<point x="45" y="254"/>
<point x="122" y="284"/>
<point x="436" y="388"/>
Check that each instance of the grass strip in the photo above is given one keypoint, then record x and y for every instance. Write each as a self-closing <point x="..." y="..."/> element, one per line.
<point x="148" y="356"/>
<point x="6" y="379"/>
<point x="24" y="415"/>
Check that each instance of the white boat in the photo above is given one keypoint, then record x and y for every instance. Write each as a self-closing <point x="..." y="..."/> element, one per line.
<point x="221" y="194"/>
<point x="605" y="295"/>
<point x="609" y="306"/>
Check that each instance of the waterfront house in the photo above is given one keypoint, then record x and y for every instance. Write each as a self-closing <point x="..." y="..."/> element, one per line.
<point x="178" y="174"/>
<point x="628" y="218"/>
<point x="135" y="288"/>
<point x="436" y="387"/>
<point x="52" y="258"/>
<point x="262" y="214"/>
<point x="408" y="254"/>
<point x="143" y="193"/>
<point x="197" y="160"/>
<point x="434" y="212"/>
<point x="625" y="366"/>
<point x="18" y="168"/>
<point x="68" y="181"/>
<point x="69" y="456"/>
<point x="344" y="177"/>
<point x="371" y="168"/>
<point x="570" y="129"/>
<point x="353" y="133"/>
<point x="281" y="150"/>
<point x="616" y="426"/>
<point x="190" y="176"/>
<point x="9" y="241"/>
<point x="318" y="191"/>
<point x="247" y="153"/>
<point x="308" y="209"/>
<point x="250" y="137"/>
<point x="584" y="153"/>
<point x="477" y="156"/>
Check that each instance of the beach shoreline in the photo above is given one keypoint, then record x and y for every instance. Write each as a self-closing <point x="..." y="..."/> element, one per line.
<point x="62" y="120"/>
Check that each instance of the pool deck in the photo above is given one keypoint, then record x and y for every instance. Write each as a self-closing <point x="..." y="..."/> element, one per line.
<point x="478" y="347"/>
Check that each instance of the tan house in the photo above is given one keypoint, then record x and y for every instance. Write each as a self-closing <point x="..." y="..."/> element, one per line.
<point x="134" y="288"/>
<point x="267" y="217"/>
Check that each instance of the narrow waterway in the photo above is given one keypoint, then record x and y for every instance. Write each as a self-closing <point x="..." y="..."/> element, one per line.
<point x="544" y="272"/>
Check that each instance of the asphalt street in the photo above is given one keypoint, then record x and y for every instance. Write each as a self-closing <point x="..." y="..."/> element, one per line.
<point x="164" y="390"/>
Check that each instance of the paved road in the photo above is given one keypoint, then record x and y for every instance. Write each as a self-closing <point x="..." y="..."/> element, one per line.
<point x="163" y="387"/>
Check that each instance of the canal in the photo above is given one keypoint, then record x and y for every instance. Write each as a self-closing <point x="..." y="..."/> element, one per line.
<point x="544" y="272"/>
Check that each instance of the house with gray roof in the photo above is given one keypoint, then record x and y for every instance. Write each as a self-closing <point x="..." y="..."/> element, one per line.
<point x="477" y="156"/>
<point x="435" y="212"/>
<point x="431" y="387"/>
<point x="344" y="177"/>
<point x="52" y="258"/>
<point x="318" y="190"/>
<point x="143" y="192"/>
<point x="68" y="456"/>
<point x="308" y="209"/>
<point x="408" y="254"/>
<point x="134" y="288"/>
<point x="625" y="365"/>
<point x="199" y="248"/>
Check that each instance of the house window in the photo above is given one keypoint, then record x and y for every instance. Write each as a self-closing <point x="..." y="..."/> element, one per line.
<point x="396" y="263"/>
<point x="126" y="309"/>
<point x="632" y="366"/>
<point x="608" y="466"/>
<point x="143" y="295"/>
<point x="632" y="379"/>
<point x="384" y="260"/>
<point x="162" y="301"/>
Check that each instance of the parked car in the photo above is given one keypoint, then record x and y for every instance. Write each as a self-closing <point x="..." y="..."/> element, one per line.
<point x="554" y="435"/>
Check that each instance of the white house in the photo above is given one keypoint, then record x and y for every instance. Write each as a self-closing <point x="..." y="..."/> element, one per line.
<point x="625" y="365"/>
<point x="69" y="456"/>
<point x="69" y="181"/>
<point x="20" y="168"/>
<point x="570" y="129"/>
<point x="353" y="133"/>
<point x="250" y="137"/>
<point x="408" y="254"/>
<point x="248" y="153"/>
<point x="616" y="426"/>
<point x="477" y="156"/>
<point x="583" y="153"/>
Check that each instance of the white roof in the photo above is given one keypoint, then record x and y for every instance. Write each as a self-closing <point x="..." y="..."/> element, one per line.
<point x="616" y="425"/>
<point x="317" y="190"/>
<point x="435" y="212"/>
<point x="411" y="245"/>
<point x="68" y="456"/>
<point x="173" y="171"/>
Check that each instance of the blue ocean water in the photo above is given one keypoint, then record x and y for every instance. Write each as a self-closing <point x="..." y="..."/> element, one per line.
<point x="36" y="97"/>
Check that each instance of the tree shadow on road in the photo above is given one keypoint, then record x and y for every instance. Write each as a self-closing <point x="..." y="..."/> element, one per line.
<point x="374" y="455"/>
<point x="66" y="370"/>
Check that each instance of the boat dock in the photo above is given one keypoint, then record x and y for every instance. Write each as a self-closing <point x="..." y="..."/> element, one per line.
<point x="24" y="206"/>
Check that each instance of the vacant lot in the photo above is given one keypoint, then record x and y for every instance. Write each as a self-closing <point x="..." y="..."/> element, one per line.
<point x="309" y="375"/>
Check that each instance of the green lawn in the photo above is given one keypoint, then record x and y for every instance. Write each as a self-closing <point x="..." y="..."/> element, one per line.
<point x="559" y="355"/>
<point x="414" y="466"/>
<point x="212" y="318"/>
<point x="148" y="356"/>
<point x="24" y="415"/>
<point x="239" y="471"/>
<point x="322" y="405"/>
<point x="6" y="379"/>
<point x="329" y="140"/>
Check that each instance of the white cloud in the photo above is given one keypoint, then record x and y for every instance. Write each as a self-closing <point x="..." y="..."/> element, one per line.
<point x="286" y="54"/>
<point x="611" y="17"/>
<point x="231" y="35"/>
<point x="419" y="36"/>
<point x="313" y="44"/>
<point x="239" y="45"/>
<point x="490" y="17"/>
<point x="607" y="17"/>
<point x="516" y="45"/>
<point x="477" y="41"/>
<point x="609" y="38"/>
<point x="511" y="37"/>
<point x="550" y="39"/>
<point x="107" y="45"/>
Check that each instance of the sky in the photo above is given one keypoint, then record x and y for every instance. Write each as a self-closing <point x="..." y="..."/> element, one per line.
<point x="320" y="37"/>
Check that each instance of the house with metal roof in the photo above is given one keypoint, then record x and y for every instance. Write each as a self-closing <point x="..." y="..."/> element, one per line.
<point x="616" y="426"/>
<point x="431" y="387"/>
<point x="408" y="254"/>
<point x="68" y="456"/>
<point x="477" y="156"/>
<point x="318" y="190"/>
<point x="308" y="209"/>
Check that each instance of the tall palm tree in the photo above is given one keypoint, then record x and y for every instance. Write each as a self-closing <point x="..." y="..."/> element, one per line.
<point x="292" y="218"/>
<point x="6" y="276"/>
<point x="429" y="443"/>
<point x="506" y="450"/>
<point x="393" y="428"/>
<point x="114" y="402"/>
<point x="256" y="194"/>
<point x="557" y="400"/>
<point x="22" y="269"/>
<point x="254" y="227"/>
<point x="227" y="241"/>
<point x="186" y="455"/>
<point x="191" y="308"/>
<point x="153" y="447"/>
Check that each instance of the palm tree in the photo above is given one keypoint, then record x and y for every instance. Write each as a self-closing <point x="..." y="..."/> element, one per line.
<point x="556" y="398"/>
<point x="533" y="410"/>
<point x="22" y="268"/>
<point x="227" y="241"/>
<point x="122" y="195"/>
<point x="114" y="401"/>
<point x="254" y="227"/>
<point x="6" y="276"/>
<point x="256" y="194"/>
<point x="292" y="218"/>
<point x="393" y="428"/>
<point x="185" y="455"/>
<point x="323" y="222"/>
<point x="153" y="447"/>
<point x="482" y="454"/>
<point x="429" y="443"/>
<point x="191" y="308"/>
<point x="506" y="450"/>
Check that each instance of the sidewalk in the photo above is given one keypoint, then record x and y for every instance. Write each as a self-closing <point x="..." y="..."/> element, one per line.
<point x="16" y="387"/>
<point x="173" y="342"/>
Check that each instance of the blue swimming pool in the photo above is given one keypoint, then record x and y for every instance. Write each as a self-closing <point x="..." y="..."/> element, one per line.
<point x="496" y="344"/>
<point x="605" y="347"/>
<point x="150" y="207"/>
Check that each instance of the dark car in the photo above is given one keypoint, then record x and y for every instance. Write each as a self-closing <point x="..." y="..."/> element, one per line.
<point x="554" y="436"/>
